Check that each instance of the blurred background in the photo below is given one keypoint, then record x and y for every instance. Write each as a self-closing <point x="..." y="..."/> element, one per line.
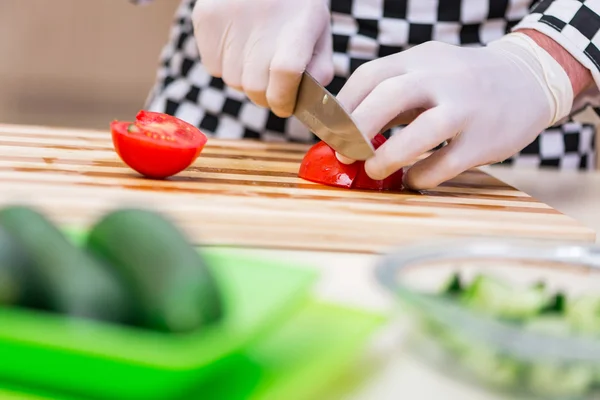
<point x="77" y="63"/>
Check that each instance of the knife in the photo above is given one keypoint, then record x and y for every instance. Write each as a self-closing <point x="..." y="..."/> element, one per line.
<point x="320" y="111"/>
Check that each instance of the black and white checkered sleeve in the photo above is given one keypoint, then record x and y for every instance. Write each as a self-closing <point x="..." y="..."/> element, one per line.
<point x="574" y="24"/>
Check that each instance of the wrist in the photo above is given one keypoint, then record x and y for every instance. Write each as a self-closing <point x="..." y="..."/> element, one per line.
<point x="580" y="76"/>
<point x="549" y="74"/>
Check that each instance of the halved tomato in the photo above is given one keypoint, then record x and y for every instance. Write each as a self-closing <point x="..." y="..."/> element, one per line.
<point x="320" y="165"/>
<point x="157" y="145"/>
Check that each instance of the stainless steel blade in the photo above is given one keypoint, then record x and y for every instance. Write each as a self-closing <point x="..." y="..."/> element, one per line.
<point x="320" y="111"/>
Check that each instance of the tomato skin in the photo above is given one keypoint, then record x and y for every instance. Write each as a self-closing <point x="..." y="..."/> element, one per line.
<point x="392" y="182"/>
<point x="320" y="165"/>
<point x="378" y="140"/>
<point x="363" y="181"/>
<point x="157" y="145"/>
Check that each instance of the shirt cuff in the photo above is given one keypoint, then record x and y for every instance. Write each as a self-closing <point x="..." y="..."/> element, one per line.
<point x="574" y="24"/>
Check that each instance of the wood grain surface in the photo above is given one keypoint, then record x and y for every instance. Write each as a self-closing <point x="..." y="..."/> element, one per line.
<point x="245" y="193"/>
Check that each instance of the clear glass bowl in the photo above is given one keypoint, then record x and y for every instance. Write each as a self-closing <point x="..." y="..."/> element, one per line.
<point x="494" y="353"/>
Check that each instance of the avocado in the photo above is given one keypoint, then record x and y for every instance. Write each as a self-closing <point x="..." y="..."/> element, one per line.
<point x="15" y="274"/>
<point x="171" y="285"/>
<point x="63" y="277"/>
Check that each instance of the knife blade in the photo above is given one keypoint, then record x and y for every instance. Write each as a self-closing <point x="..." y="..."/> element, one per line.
<point x="320" y="111"/>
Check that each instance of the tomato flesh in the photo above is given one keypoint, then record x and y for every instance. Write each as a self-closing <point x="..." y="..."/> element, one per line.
<point x="320" y="165"/>
<point x="157" y="145"/>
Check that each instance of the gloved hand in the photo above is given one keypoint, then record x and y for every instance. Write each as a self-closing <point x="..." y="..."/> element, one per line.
<point x="488" y="102"/>
<point x="262" y="47"/>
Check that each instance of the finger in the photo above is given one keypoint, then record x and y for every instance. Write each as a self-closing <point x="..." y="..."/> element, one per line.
<point x="366" y="78"/>
<point x="321" y="66"/>
<point x="208" y="36"/>
<point x="389" y="99"/>
<point x="442" y="165"/>
<point x="232" y="64"/>
<point x="344" y="159"/>
<point x="209" y="58"/>
<point x="426" y="132"/>
<point x="255" y="75"/>
<point x="290" y="60"/>
<point x="258" y="97"/>
<point x="402" y="119"/>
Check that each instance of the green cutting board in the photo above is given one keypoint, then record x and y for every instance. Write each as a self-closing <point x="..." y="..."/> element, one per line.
<point x="296" y="361"/>
<point x="107" y="361"/>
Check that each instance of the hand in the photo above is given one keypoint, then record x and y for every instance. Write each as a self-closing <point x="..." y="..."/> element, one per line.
<point x="488" y="103"/>
<point x="262" y="47"/>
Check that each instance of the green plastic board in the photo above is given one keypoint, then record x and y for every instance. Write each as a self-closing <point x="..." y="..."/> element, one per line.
<point x="87" y="358"/>
<point x="296" y="361"/>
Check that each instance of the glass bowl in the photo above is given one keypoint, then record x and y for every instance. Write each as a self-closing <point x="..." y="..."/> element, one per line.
<point x="541" y="354"/>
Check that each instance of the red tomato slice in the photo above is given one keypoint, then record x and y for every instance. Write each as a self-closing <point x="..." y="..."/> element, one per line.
<point x="321" y="166"/>
<point x="363" y="181"/>
<point x="157" y="145"/>
<point x="392" y="182"/>
<point x="378" y="140"/>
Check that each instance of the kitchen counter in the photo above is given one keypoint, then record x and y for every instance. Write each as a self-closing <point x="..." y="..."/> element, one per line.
<point x="348" y="279"/>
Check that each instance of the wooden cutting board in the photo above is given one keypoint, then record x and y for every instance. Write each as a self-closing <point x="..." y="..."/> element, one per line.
<point x="247" y="193"/>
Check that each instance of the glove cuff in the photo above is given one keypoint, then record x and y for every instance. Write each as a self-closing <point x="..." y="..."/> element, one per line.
<point x="549" y="73"/>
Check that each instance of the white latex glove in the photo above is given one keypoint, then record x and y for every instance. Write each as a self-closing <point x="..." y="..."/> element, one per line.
<point x="262" y="47"/>
<point x="489" y="102"/>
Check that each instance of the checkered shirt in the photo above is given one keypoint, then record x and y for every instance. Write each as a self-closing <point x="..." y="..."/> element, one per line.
<point x="367" y="29"/>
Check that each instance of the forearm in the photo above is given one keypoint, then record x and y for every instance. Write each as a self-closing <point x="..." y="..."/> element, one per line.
<point x="580" y="76"/>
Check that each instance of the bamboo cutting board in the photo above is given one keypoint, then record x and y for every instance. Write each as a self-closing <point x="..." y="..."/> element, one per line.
<point x="248" y="194"/>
